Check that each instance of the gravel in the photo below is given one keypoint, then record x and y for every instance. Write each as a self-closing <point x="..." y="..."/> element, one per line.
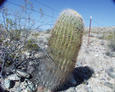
<point x="94" y="70"/>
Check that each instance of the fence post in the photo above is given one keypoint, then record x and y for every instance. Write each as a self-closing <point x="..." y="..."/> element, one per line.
<point x="89" y="30"/>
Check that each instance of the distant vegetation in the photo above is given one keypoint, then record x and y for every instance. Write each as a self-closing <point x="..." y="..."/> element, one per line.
<point x="112" y="42"/>
<point x="105" y="33"/>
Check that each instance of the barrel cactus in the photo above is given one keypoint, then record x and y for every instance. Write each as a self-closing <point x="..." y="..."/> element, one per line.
<point x="63" y="48"/>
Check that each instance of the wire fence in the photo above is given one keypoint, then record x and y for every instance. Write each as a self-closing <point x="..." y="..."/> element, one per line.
<point x="40" y="16"/>
<point x="44" y="16"/>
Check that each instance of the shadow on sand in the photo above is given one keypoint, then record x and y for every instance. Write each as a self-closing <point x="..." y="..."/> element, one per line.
<point x="80" y="75"/>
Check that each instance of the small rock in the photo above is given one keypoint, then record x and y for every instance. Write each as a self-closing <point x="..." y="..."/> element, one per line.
<point x="22" y="74"/>
<point x="28" y="86"/>
<point x="39" y="55"/>
<point x="13" y="77"/>
<point x="8" y="83"/>
<point x="111" y="72"/>
<point x="111" y="54"/>
<point x="108" y="85"/>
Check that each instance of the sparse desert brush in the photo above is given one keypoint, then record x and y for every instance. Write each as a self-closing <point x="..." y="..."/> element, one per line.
<point x="15" y="35"/>
<point x="35" y="34"/>
<point x="112" y="42"/>
<point x="105" y="36"/>
<point x="109" y="37"/>
<point x="31" y="45"/>
<point x="1" y="41"/>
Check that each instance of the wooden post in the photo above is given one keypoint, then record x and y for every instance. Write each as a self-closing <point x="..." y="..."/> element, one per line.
<point x="89" y="30"/>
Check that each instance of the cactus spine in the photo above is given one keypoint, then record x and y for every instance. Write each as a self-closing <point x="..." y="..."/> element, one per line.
<point x="63" y="47"/>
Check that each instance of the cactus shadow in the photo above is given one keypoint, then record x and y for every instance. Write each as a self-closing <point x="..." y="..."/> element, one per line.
<point x="80" y="75"/>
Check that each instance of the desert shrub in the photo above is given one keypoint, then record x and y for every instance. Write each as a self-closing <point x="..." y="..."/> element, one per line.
<point x="112" y="41"/>
<point x="1" y="41"/>
<point x="109" y="36"/>
<point x="15" y="35"/>
<point x="105" y="36"/>
<point x="35" y="34"/>
<point x="31" y="45"/>
<point x="3" y="34"/>
<point x="48" y="31"/>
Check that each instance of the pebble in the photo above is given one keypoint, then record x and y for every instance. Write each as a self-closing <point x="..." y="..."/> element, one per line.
<point x="7" y="83"/>
<point x="39" y="55"/>
<point x="108" y="84"/>
<point x="112" y="54"/>
<point x="111" y="72"/>
<point x="27" y="86"/>
<point x="13" y="77"/>
<point x="22" y="74"/>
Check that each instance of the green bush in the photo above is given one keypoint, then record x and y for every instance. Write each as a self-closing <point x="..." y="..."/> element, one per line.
<point x="112" y="42"/>
<point x="109" y="36"/>
<point x="35" y="35"/>
<point x="31" y="45"/>
<point x="1" y="41"/>
<point x="15" y="35"/>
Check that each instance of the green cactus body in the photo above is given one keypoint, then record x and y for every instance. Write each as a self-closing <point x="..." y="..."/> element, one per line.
<point x="63" y="47"/>
<point x="65" y="42"/>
